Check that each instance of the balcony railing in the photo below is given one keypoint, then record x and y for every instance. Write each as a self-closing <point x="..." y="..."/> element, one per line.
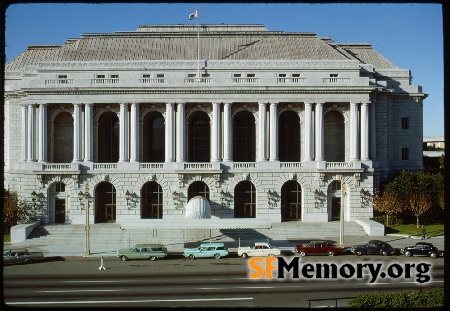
<point x="151" y="166"/>
<point x="59" y="81"/>
<point x="197" y="166"/>
<point x="292" y="164"/>
<point x="198" y="80"/>
<point x="58" y="166"/>
<point x="105" y="81"/>
<point x="344" y="165"/>
<point x="105" y="166"/>
<point x="245" y="80"/>
<point x="291" y="80"/>
<point x="245" y="165"/>
<point x="152" y="80"/>
<point x="336" y="80"/>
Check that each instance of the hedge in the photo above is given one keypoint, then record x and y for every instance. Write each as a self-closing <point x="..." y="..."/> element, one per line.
<point x="431" y="298"/>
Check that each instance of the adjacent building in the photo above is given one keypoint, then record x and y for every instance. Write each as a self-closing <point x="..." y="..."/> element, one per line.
<point x="180" y="122"/>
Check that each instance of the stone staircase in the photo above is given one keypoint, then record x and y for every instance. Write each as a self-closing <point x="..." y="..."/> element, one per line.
<point x="282" y="234"/>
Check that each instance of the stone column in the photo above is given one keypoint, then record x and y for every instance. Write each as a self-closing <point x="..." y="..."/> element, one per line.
<point x="354" y="146"/>
<point x="31" y="133"/>
<point x="319" y="132"/>
<point x="373" y="132"/>
<point x="24" y="131"/>
<point x="308" y="132"/>
<point x="215" y="133"/>
<point x="227" y="133"/>
<point x="262" y="132"/>
<point x="169" y="141"/>
<point x="43" y="133"/>
<point x="88" y="133"/>
<point x="181" y="124"/>
<point x="365" y="131"/>
<point x="273" y="132"/>
<point x="123" y="133"/>
<point x="134" y="133"/>
<point x="76" y="132"/>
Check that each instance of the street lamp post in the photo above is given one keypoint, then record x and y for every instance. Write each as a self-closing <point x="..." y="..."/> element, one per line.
<point x="85" y="195"/>
<point x="341" y="219"/>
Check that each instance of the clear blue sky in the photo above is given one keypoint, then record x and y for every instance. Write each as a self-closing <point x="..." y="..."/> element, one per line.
<point x="409" y="35"/>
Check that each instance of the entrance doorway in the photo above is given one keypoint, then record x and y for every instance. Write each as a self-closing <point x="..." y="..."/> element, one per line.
<point x="60" y="211"/>
<point x="105" y="203"/>
<point x="291" y="201"/>
<point x="335" y="208"/>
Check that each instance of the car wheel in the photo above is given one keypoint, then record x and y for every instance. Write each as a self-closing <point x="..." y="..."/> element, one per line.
<point x="302" y="253"/>
<point x="191" y="256"/>
<point x="153" y="258"/>
<point x="384" y="253"/>
<point x="408" y="254"/>
<point x="433" y="255"/>
<point x="330" y="253"/>
<point x="359" y="253"/>
<point x="217" y="256"/>
<point x="244" y="255"/>
<point x="124" y="258"/>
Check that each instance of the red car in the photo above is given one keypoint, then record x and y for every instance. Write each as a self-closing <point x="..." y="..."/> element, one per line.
<point x="318" y="248"/>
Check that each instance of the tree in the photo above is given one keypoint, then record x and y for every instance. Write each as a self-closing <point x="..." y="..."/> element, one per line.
<point x="419" y="203"/>
<point x="14" y="211"/>
<point x="388" y="203"/>
<point x="442" y="199"/>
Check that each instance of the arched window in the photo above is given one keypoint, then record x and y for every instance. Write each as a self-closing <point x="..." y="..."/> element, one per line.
<point x="244" y="142"/>
<point x="199" y="137"/>
<point x="152" y="201"/>
<point x="245" y="200"/>
<point x="291" y="201"/>
<point x="198" y="188"/>
<point x="334" y="136"/>
<point x="62" y="138"/>
<point x="108" y="138"/>
<point x="153" y="137"/>
<point x="289" y="137"/>
<point x="105" y="203"/>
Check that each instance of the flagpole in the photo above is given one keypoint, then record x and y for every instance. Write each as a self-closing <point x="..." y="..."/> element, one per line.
<point x="198" y="44"/>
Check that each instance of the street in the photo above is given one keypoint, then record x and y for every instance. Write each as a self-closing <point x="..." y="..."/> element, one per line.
<point x="180" y="282"/>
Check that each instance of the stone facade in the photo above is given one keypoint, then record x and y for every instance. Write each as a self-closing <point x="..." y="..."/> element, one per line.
<point x="289" y="134"/>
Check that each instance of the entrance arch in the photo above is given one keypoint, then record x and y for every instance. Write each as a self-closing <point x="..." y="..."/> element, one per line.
<point x="291" y="201"/>
<point x="152" y="201"/>
<point x="198" y="188"/>
<point x="105" y="203"/>
<point x="334" y="202"/>
<point x="245" y="200"/>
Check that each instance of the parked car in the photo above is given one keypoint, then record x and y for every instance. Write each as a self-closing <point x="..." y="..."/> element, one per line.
<point x="206" y="250"/>
<point x="373" y="247"/>
<point x="143" y="251"/>
<point x="23" y="255"/>
<point x="422" y="249"/>
<point x="258" y="249"/>
<point x="318" y="248"/>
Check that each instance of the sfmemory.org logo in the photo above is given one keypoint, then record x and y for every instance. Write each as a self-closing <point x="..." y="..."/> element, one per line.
<point x="281" y="268"/>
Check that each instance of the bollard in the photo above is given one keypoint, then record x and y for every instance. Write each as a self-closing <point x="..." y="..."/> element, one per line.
<point x="102" y="267"/>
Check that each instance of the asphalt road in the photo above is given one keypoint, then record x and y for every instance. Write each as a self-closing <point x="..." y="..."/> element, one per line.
<point x="180" y="282"/>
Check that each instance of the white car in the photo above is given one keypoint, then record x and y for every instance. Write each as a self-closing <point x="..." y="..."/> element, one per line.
<point x="258" y="249"/>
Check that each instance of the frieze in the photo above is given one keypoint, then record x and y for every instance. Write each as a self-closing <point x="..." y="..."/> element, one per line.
<point x="193" y="64"/>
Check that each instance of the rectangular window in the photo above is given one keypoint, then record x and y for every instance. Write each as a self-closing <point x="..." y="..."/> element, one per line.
<point x="405" y="123"/>
<point x="295" y="75"/>
<point x="146" y="76"/>
<point x="250" y="75"/>
<point x="100" y="76"/>
<point x="281" y="75"/>
<point x="237" y="75"/>
<point x="62" y="76"/>
<point x="205" y="75"/>
<point x="191" y="75"/>
<point x="405" y="154"/>
<point x="160" y="75"/>
<point x="333" y="75"/>
<point x="114" y="76"/>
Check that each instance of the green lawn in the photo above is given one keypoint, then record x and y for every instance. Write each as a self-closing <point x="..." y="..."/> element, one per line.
<point x="411" y="229"/>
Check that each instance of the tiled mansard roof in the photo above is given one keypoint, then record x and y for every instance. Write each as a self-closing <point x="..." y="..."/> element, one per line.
<point x="218" y="42"/>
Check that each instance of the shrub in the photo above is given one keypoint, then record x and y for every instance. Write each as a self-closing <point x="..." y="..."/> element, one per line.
<point x="393" y="220"/>
<point x="431" y="298"/>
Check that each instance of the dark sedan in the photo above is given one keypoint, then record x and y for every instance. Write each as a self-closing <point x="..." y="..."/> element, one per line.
<point x="21" y="256"/>
<point x="373" y="247"/>
<point x="422" y="249"/>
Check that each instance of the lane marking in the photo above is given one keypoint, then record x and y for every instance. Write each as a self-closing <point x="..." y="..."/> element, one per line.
<point x="80" y="290"/>
<point x="126" y="301"/>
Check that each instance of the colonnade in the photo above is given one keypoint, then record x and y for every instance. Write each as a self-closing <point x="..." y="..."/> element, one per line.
<point x="362" y="133"/>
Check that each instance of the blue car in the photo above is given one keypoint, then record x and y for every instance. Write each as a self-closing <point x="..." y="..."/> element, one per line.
<point x="206" y="250"/>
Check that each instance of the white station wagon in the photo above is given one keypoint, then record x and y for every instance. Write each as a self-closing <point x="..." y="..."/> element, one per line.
<point x="259" y="249"/>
